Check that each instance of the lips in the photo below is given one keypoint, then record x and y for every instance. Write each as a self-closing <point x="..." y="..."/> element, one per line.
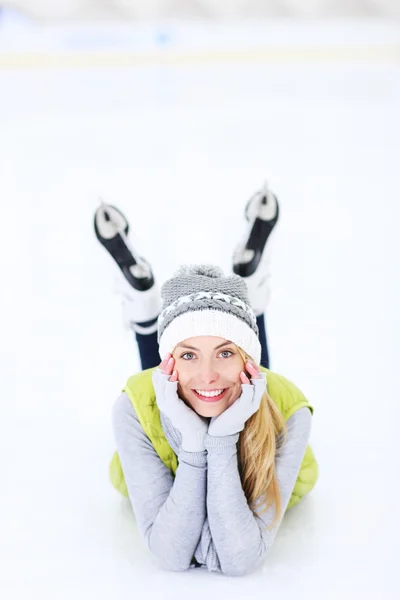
<point x="213" y="399"/>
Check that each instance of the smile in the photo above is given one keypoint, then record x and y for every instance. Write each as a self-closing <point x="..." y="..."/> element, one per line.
<point x="210" y="398"/>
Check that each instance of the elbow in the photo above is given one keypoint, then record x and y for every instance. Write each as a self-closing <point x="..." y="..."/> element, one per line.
<point x="169" y="562"/>
<point x="168" y="558"/>
<point x="243" y="563"/>
<point x="167" y="565"/>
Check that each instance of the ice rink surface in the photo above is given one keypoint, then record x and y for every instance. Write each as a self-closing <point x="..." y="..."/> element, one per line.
<point x="179" y="146"/>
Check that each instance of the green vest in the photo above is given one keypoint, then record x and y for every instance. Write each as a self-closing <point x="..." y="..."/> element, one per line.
<point x="287" y="397"/>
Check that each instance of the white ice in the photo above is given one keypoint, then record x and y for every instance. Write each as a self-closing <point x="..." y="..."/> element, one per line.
<point x="179" y="149"/>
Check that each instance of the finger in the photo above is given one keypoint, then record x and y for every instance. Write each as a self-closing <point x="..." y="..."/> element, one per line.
<point x="252" y="369"/>
<point x="244" y="378"/>
<point x="174" y="377"/>
<point x="163" y="364"/>
<point x="168" y="367"/>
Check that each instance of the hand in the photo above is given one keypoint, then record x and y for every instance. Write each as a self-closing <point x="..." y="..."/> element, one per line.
<point x="191" y="426"/>
<point x="233" y="419"/>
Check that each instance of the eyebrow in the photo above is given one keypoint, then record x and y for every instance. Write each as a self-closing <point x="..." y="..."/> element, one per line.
<point x="193" y="348"/>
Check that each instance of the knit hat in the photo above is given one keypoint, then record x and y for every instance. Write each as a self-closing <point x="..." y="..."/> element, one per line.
<point x="201" y="300"/>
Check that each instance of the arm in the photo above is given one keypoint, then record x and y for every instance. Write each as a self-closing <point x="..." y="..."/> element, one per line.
<point x="240" y="538"/>
<point x="170" y="512"/>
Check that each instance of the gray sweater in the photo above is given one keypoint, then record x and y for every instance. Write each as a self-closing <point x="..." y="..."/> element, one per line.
<point x="201" y="516"/>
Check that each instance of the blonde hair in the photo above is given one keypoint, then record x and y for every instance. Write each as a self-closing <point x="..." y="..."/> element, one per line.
<point x="257" y="450"/>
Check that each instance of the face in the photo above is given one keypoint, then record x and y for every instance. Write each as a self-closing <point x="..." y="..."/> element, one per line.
<point x="208" y="364"/>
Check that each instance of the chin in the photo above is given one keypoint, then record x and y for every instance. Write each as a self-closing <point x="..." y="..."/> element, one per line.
<point x="213" y="411"/>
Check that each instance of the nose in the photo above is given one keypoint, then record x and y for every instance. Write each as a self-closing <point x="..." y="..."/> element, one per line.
<point x="208" y="374"/>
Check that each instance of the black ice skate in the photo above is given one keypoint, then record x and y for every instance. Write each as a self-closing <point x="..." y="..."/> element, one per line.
<point x="252" y="254"/>
<point x="133" y="280"/>
<point x="262" y="213"/>
<point x="111" y="229"/>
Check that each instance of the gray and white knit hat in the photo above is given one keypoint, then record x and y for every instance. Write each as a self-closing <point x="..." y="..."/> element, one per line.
<point x="201" y="300"/>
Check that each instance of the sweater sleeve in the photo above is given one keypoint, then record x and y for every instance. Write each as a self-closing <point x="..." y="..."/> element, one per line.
<point x="240" y="538"/>
<point x="170" y="512"/>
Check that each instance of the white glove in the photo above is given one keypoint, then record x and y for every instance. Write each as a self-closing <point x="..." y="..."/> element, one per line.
<point x="191" y="425"/>
<point x="233" y="419"/>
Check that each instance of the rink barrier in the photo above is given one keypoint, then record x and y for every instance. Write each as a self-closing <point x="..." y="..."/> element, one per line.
<point x="382" y="53"/>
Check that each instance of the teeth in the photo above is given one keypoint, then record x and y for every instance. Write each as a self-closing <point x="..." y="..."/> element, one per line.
<point x="209" y="394"/>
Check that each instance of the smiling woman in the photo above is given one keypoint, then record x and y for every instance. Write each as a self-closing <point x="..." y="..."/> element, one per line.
<point x="216" y="421"/>
<point x="212" y="446"/>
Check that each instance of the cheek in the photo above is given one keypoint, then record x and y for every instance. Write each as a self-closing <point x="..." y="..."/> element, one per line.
<point x="184" y="377"/>
<point x="232" y="371"/>
<point x="236" y="393"/>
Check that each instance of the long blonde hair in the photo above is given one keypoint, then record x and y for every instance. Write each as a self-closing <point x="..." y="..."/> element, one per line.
<point x="257" y="450"/>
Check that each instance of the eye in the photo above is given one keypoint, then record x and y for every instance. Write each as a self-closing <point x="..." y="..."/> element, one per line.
<point x="186" y="353"/>
<point x="229" y="351"/>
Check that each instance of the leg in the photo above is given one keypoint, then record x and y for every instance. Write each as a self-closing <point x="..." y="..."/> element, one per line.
<point x="252" y="257"/>
<point x="148" y="349"/>
<point x="262" y="335"/>
<point x="141" y="301"/>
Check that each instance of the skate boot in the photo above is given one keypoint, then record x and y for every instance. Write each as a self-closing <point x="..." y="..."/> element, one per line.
<point x="252" y="255"/>
<point x="134" y="281"/>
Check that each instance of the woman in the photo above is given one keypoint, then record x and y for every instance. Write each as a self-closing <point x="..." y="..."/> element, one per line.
<point x="212" y="446"/>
